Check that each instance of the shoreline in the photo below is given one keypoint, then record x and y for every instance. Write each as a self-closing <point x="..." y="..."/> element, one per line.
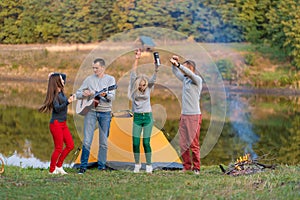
<point x="228" y="88"/>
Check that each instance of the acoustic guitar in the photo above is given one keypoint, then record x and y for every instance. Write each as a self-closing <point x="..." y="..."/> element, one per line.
<point x="85" y="104"/>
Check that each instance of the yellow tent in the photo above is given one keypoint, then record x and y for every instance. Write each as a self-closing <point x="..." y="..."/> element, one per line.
<point x="120" y="155"/>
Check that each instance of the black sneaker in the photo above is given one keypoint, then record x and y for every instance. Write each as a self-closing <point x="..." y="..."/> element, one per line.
<point x="81" y="171"/>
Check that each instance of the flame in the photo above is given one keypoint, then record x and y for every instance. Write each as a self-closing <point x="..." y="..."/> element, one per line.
<point x="242" y="160"/>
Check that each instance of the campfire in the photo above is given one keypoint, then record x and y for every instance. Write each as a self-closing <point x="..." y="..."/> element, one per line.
<point x="245" y="165"/>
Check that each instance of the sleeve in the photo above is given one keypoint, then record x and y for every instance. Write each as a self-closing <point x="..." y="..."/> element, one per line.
<point x="111" y="94"/>
<point x="133" y="77"/>
<point x="84" y="86"/>
<point x="177" y="73"/>
<point x="152" y="80"/>
<point x="195" y="78"/>
<point x="59" y="107"/>
<point x="64" y="77"/>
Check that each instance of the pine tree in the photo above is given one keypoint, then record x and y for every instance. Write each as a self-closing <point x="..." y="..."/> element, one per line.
<point x="75" y="25"/>
<point x="10" y="10"/>
<point x="283" y="28"/>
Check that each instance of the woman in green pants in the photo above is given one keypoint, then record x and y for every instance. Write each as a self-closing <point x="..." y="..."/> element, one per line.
<point x="139" y="93"/>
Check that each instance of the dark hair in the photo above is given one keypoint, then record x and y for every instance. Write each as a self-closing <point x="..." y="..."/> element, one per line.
<point x="190" y="63"/>
<point x="100" y="61"/>
<point x="52" y="92"/>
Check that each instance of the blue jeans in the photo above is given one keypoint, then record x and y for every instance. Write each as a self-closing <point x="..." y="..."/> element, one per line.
<point x="90" y="119"/>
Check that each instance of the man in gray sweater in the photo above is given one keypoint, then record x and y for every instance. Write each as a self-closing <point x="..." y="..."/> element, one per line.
<point x="191" y="117"/>
<point x="101" y="112"/>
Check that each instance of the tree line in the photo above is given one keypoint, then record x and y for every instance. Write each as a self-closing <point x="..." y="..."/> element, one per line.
<point x="271" y="22"/>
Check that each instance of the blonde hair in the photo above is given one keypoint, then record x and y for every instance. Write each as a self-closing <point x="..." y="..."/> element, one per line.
<point x="134" y="88"/>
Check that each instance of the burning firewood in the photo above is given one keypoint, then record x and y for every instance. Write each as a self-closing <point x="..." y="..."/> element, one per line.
<point x="245" y="165"/>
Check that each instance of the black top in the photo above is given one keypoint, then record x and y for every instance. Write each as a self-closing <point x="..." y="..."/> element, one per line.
<point x="60" y="108"/>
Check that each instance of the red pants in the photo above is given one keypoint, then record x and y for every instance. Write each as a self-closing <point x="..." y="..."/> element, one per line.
<point x="61" y="134"/>
<point x="189" y="133"/>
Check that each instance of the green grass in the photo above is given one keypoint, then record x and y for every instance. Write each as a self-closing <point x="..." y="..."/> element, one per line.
<point x="20" y="183"/>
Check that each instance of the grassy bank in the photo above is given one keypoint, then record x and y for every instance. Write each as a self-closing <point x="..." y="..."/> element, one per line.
<point x="240" y="64"/>
<point x="20" y="183"/>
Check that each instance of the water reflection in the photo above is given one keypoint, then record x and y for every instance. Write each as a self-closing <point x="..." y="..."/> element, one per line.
<point x="26" y="162"/>
<point x="25" y="158"/>
<point x="239" y="118"/>
<point x="21" y="161"/>
<point x="261" y="125"/>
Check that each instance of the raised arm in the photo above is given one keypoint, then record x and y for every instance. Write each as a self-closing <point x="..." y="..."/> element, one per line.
<point x="152" y="80"/>
<point x="136" y="61"/>
<point x="177" y="73"/>
<point x="185" y="70"/>
<point x="133" y="74"/>
<point x="195" y="78"/>
<point x="175" y="70"/>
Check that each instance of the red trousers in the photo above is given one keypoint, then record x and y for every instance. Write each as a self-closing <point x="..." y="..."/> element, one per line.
<point x="189" y="133"/>
<point x="61" y="134"/>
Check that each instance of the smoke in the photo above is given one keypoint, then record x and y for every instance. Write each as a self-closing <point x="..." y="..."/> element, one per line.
<point x="242" y="127"/>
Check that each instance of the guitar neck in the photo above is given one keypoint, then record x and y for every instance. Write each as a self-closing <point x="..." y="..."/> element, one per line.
<point x="113" y="87"/>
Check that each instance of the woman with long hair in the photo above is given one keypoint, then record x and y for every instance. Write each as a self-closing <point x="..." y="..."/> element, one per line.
<point x="57" y="103"/>
<point x="139" y="90"/>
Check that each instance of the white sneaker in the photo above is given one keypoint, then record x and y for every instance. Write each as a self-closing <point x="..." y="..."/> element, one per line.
<point x="60" y="170"/>
<point x="137" y="168"/>
<point x="149" y="168"/>
<point x="54" y="172"/>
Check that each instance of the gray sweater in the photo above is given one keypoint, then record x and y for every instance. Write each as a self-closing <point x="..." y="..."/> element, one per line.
<point x="96" y="84"/>
<point x="191" y="90"/>
<point x="141" y="101"/>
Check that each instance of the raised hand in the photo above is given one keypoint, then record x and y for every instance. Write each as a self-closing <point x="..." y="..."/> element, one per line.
<point x="138" y="53"/>
<point x="175" y="60"/>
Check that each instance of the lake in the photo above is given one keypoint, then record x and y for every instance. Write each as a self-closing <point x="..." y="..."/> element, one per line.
<point x="264" y="125"/>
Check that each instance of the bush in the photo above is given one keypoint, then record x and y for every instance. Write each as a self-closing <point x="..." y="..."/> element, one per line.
<point x="226" y="69"/>
<point x="250" y="59"/>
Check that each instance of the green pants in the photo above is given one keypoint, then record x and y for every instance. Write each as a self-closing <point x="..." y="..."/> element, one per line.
<point x="142" y="121"/>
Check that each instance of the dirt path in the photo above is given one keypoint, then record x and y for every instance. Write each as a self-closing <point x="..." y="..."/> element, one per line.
<point x="32" y="63"/>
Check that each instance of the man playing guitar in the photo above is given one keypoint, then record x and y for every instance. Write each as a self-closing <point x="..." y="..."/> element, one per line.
<point x="101" y="112"/>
